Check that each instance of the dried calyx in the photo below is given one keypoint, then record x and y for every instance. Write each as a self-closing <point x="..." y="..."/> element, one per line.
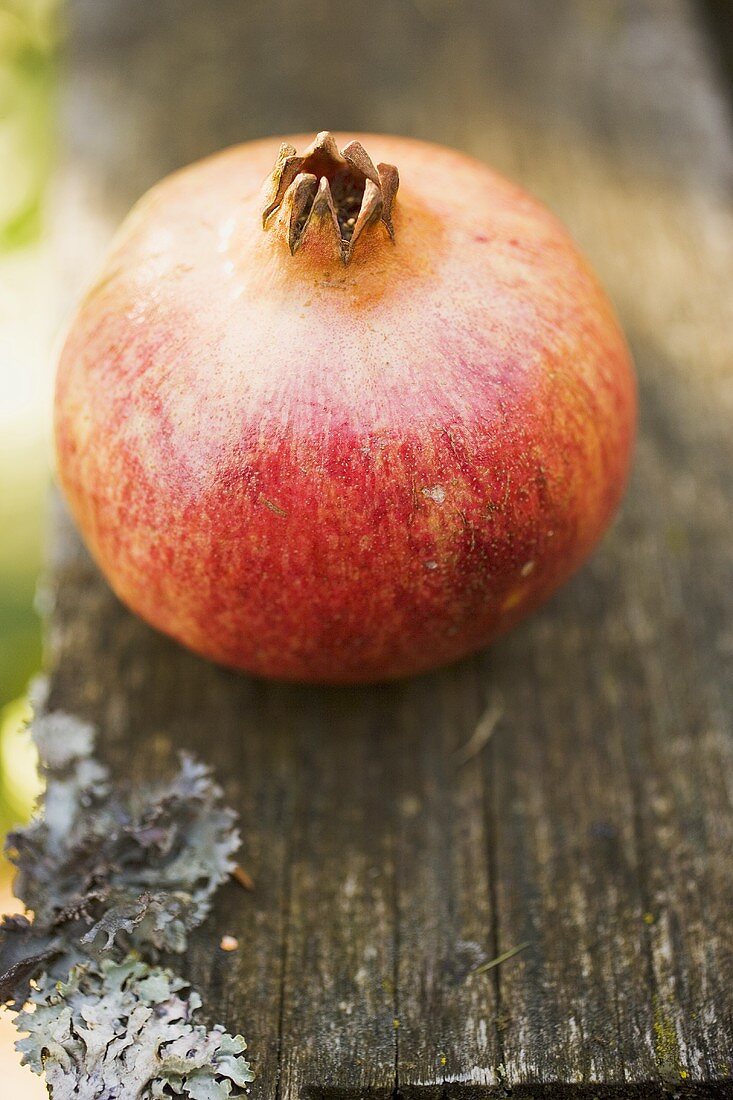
<point x="327" y="190"/>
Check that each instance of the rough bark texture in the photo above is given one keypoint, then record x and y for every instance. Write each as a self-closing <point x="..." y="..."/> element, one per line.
<point x="598" y="822"/>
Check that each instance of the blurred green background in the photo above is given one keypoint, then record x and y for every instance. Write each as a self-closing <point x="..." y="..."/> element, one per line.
<point x="28" y="44"/>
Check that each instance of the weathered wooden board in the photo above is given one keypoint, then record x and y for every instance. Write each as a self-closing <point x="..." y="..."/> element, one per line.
<point x="598" y="822"/>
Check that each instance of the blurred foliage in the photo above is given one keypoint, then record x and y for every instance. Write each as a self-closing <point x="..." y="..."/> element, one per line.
<point x="18" y="760"/>
<point x="21" y="521"/>
<point x="27" y="53"/>
<point x="28" y="39"/>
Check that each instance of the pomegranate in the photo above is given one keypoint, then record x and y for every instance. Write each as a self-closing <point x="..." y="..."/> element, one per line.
<point x="347" y="425"/>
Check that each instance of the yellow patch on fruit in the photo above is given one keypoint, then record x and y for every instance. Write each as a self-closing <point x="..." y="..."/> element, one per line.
<point x="514" y="598"/>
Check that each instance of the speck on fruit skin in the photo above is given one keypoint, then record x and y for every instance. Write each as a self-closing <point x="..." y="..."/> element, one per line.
<point x="367" y="487"/>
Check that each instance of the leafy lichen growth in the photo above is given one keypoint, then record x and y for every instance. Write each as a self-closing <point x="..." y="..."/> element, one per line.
<point x="114" y="875"/>
<point x="127" y="1029"/>
<point x="104" y="862"/>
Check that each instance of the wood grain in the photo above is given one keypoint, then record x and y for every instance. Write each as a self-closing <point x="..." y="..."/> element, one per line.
<point x="597" y="823"/>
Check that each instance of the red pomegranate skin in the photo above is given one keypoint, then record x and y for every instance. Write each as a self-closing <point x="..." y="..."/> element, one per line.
<point x="333" y="473"/>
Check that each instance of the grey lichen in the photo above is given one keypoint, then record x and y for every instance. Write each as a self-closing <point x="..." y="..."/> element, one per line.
<point x="113" y="875"/>
<point x="105" y="864"/>
<point x="126" y="1029"/>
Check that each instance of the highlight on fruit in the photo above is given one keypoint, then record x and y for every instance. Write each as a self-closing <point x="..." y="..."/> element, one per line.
<point x="342" y="409"/>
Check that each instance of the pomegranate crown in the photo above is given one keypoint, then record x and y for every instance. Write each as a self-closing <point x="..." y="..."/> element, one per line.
<point x="325" y="189"/>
